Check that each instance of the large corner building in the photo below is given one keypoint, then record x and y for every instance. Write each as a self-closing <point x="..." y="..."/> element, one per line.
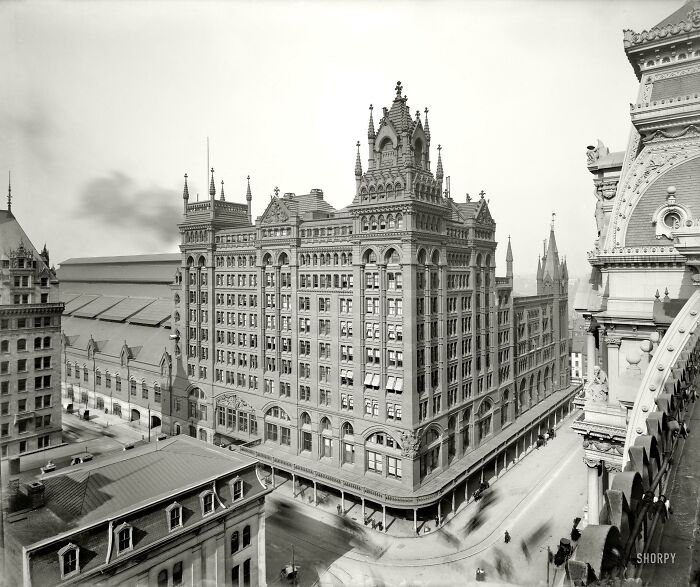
<point x="372" y="348"/>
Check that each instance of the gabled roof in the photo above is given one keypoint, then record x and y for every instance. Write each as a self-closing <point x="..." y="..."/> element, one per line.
<point x="12" y="234"/>
<point x="679" y="15"/>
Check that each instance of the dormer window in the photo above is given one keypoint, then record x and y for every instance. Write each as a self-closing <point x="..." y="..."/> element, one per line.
<point x="206" y="499"/>
<point x="124" y="535"/>
<point x="174" y="514"/>
<point x="236" y="489"/>
<point x="69" y="558"/>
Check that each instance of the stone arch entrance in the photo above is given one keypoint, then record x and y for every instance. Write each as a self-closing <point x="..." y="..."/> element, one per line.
<point x="135" y="415"/>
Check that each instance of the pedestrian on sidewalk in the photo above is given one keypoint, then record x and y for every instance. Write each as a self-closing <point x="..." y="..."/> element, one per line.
<point x="507" y="537"/>
<point x="546" y="438"/>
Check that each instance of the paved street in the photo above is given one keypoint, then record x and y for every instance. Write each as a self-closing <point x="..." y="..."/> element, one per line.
<point x="536" y="500"/>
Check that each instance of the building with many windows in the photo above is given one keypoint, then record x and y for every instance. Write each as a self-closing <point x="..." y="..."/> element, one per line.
<point x="177" y="512"/>
<point x="117" y="354"/>
<point x="30" y="329"/>
<point x="373" y="344"/>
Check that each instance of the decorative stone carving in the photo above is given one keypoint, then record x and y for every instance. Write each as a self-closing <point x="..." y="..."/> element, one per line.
<point x="275" y="213"/>
<point x="598" y="387"/>
<point x="231" y="400"/>
<point x="612" y="467"/>
<point x="410" y="443"/>
<point x="592" y="463"/>
<point x="613" y="340"/>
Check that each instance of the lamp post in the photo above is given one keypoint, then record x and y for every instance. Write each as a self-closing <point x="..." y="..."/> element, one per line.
<point x="149" y="422"/>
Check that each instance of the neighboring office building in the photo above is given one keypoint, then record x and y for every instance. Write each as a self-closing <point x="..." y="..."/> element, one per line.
<point x="116" y="336"/>
<point x="374" y="343"/>
<point x="30" y="360"/>
<point x="175" y="512"/>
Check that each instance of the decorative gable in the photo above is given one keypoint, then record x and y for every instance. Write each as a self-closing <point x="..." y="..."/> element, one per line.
<point x="483" y="216"/>
<point x="276" y="212"/>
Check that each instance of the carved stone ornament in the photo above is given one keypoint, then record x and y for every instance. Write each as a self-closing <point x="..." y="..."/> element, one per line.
<point x="231" y="400"/>
<point x="592" y="463"/>
<point x="410" y="442"/>
<point x="597" y="388"/>
<point x="275" y="213"/>
<point x="612" y="467"/>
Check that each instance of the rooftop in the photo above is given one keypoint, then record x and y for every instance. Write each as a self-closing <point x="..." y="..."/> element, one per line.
<point x="121" y="482"/>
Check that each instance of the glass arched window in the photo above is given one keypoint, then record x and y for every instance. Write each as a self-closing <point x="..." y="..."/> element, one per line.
<point x="246" y="536"/>
<point x="235" y="542"/>
<point x="348" y="430"/>
<point x="305" y="419"/>
<point x="484" y="419"/>
<point x="163" y="578"/>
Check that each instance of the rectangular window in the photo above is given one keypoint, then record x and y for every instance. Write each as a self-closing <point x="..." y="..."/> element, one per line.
<point x="393" y="467"/>
<point x="374" y="462"/>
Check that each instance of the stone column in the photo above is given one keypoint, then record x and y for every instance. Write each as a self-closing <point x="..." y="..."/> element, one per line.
<point x="613" y="344"/>
<point x="590" y="351"/>
<point x="593" y="491"/>
<point x="415" y="520"/>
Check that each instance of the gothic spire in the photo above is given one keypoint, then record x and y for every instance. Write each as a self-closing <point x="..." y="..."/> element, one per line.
<point x="185" y="190"/>
<point x="212" y="187"/>
<point x="9" y="191"/>
<point x="223" y="198"/>
<point x="426" y="126"/>
<point x="370" y="128"/>
<point x="249" y="200"/>
<point x="438" y="171"/>
<point x="358" y="163"/>
<point x="509" y="252"/>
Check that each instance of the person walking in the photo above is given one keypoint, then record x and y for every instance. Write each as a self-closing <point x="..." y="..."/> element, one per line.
<point x="507" y="537"/>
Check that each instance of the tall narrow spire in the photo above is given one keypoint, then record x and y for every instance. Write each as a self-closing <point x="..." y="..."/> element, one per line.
<point x="212" y="187"/>
<point x="370" y="128"/>
<point x="438" y="171"/>
<point x="185" y="190"/>
<point x="426" y="126"/>
<point x="509" y="260"/>
<point x="9" y="191"/>
<point x="249" y="200"/>
<point x="223" y="198"/>
<point x="358" y="163"/>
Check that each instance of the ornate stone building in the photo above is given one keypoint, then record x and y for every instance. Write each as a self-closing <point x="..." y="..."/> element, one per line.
<point x="372" y="345"/>
<point x="30" y="331"/>
<point x="642" y="304"/>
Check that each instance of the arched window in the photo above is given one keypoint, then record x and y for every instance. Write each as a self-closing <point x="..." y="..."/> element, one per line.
<point x="435" y="258"/>
<point x="335" y="258"/>
<point x="235" y="542"/>
<point x="348" y="430"/>
<point x="484" y="419"/>
<point x="163" y="578"/>
<point x="422" y="256"/>
<point x="451" y="445"/>
<point x="246" y="536"/>
<point x="399" y="220"/>
<point x="267" y="259"/>
<point x="373" y="223"/>
<point x="382" y="223"/>
<point x="325" y="425"/>
<point x="391" y="223"/>
<point x="504" y="407"/>
<point x="466" y="421"/>
<point x="383" y="455"/>
<point x="392" y="257"/>
<point x="370" y="257"/>
<point x="430" y="452"/>
<point x="418" y="153"/>
<point x="305" y="419"/>
<point x="365" y="223"/>
<point x="284" y="259"/>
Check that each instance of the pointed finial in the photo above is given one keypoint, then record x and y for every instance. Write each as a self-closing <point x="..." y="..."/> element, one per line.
<point x="185" y="190"/>
<point x="248" y="195"/>
<point x="212" y="187"/>
<point x="438" y="170"/>
<point x="358" y="163"/>
<point x="277" y="191"/>
<point x="9" y="191"/>
<point x="666" y="293"/>
<point x="554" y="215"/>
<point x="223" y="198"/>
<point x="469" y="198"/>
<point x="482" y="193"/>
<point x="426" y="126"/>
<point x="398" y="88"/>
<point x="657" y="295"/>
<point x="418" y="115"/>
<point x="370" y="127"/>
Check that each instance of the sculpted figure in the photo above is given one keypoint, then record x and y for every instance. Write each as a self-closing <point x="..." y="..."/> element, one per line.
<point x="598" y="386"/>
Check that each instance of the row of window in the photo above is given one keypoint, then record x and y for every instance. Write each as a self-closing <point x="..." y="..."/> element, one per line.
<point x="21" y="345"/>
<point x="38" y="322"/>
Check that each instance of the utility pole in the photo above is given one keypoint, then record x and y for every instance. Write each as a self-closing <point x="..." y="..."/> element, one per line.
<point x="549" y="554"/>
<point x="149" y="422"/>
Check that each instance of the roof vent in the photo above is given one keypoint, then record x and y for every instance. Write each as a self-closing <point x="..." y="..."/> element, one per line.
<point x="317" y="191"/>
<point x="289" y="195"/>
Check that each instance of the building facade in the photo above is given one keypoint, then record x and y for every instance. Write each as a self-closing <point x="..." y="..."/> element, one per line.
<point x="374" y="341"/>
<point x="176" y="513"/>
<point x="116" y="351"/>
<point x="30" y="351"/>
<point x="642" y="305"/>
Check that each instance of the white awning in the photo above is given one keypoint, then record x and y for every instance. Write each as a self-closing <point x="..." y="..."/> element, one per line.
<point x="399" y="384"/>
<point x="368" y="379"/>
<point x="390" y="383"/>
<point x="376" y="381"/>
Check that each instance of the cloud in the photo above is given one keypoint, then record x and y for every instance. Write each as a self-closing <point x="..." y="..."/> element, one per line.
<point x="29" y="129"/>
<point x="117" y="201"/>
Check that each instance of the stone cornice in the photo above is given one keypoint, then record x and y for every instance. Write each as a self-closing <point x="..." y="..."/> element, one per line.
<point x="690" y="24"/>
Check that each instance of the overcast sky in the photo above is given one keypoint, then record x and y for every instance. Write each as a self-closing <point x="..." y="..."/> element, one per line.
<point x="104" y="107"/>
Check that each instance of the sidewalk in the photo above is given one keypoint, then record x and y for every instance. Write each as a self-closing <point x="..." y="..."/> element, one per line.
<point x="512" y="491"/>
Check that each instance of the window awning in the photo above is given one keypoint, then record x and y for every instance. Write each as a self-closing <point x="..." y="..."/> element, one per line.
<point x="368" y="379"/>
<point x="390" y="383"/>
<point x="376" y="381"/>
<point x="399" y="384"/>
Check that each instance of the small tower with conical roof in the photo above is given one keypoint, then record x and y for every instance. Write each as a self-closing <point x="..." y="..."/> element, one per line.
<point x="358" y="168"/>
<point x="9" y="191"/>
<point x="371" y="135"/>
<point x="223" y="198"/>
